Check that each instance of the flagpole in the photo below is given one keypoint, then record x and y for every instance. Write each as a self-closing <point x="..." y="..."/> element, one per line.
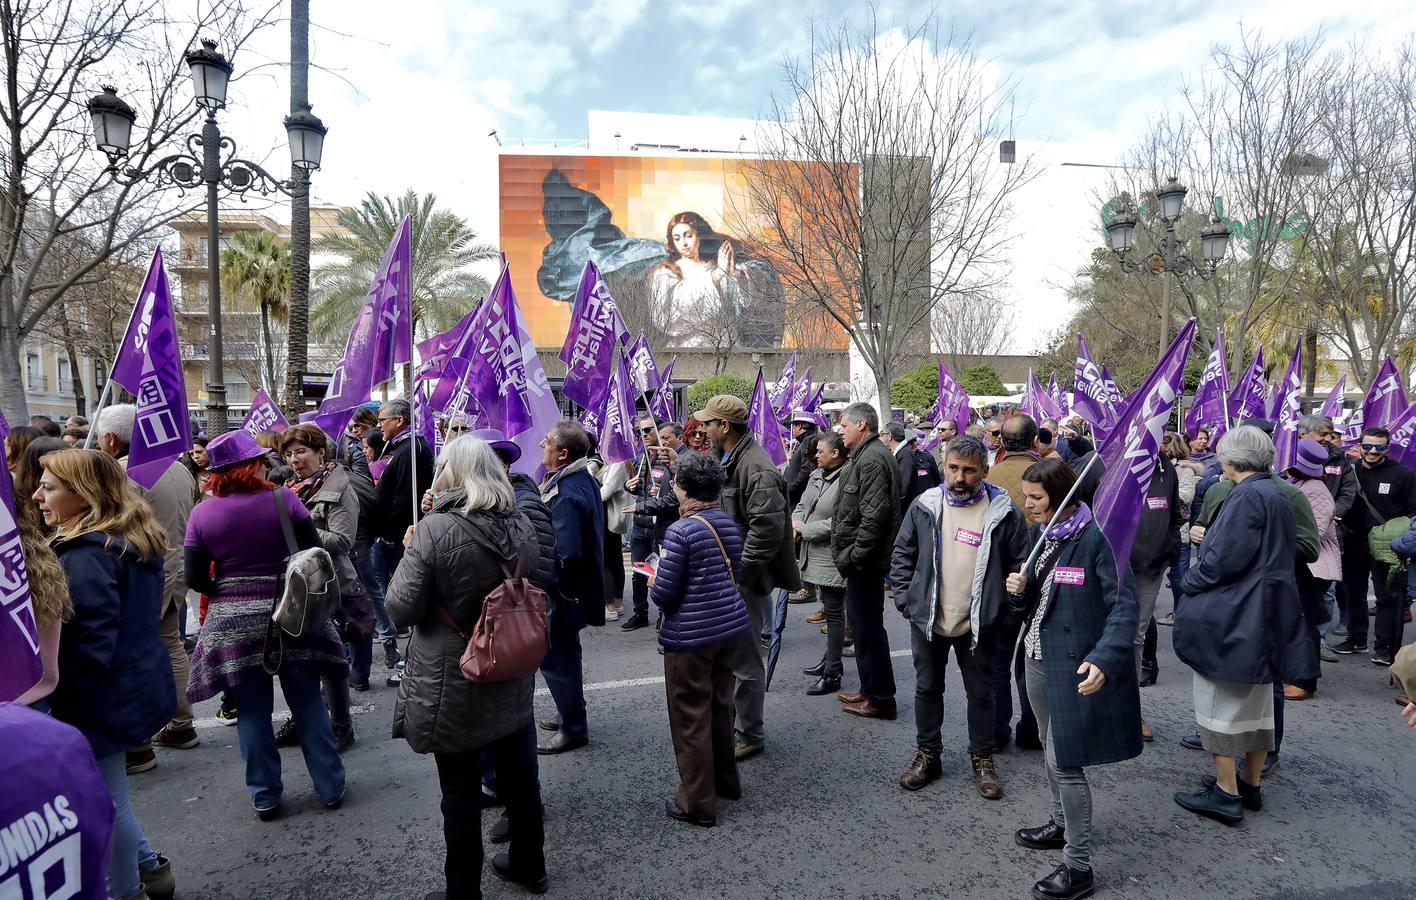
<point x="108" y="385"/>
<point x="413" y="424"/>
<point x="1032" y="557"/>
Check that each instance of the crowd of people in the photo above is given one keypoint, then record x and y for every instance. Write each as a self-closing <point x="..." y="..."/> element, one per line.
<point x="987" y="546"/>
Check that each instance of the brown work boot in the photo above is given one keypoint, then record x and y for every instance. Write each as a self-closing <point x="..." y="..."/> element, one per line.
<point x="851" y="697"/>
<point x="986" y="776"/>
<point x="926" y="768"/>
<point x="817" y="617"/>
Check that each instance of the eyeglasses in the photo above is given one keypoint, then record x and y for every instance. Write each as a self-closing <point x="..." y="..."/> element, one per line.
<point x="388" y="418"/>
<point x="1375" y="448"/>
<point x="647" y="431"/>
<point x="699" y="434"/>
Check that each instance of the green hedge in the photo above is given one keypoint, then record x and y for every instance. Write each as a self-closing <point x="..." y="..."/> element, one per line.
<point x="917" y="390"/>
<point x="727" y="383"/>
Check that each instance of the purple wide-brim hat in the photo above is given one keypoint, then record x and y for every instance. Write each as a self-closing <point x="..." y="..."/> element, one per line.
<point x="498" y="441"/>
<point x="1309" y="457"/>
<point x="231" y="448"/>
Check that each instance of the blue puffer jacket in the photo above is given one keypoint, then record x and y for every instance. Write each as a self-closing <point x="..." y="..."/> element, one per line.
<point x="115" y="678"/>
<point x="701" y="604"/>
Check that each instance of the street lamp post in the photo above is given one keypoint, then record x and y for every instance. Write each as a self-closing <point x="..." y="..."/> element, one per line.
<point x="210" y="160"/>
<point x="1171" y="257"/>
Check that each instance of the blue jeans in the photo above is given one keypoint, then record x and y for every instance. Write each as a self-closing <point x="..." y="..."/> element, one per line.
<point x="256" y="700"/>
<point x="370" y="563"/>
<point x="1178" y="570"/>
<point x="361" y="659"/>
<point x="130" y="847"/>
<point x="562" y="666"/>
<point x="641" y="547"/>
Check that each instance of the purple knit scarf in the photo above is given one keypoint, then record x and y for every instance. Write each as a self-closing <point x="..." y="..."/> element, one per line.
<point x="1063" y="530"/>
<point x="970" y="500"/>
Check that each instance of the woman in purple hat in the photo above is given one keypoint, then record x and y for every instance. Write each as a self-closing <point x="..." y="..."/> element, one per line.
<point x="235" y="551"/>
<point x="1313" y="579"/>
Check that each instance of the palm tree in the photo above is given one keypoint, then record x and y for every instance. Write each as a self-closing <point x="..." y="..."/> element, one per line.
<point x="442" y="246"/>
<point x="255" y="269"/>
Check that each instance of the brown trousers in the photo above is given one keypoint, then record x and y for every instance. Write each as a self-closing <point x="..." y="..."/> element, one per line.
<point x="699" y="685"/>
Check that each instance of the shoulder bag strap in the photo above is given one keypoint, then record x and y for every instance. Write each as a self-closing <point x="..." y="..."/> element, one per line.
<point x="721" y="549"/>
<point x="284" y="512"/>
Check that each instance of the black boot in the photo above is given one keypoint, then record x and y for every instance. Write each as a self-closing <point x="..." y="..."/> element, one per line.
<point x="1065" y="883"/>
<point x="818" y="670"/>
<point x="826" y="684"/>
<point x="1045" y="837"/>
<point x="1150" y="672"/>
<point x="336" y="694"/>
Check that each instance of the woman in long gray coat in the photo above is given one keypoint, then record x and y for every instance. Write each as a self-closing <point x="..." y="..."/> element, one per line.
<point x="811" y="520"/>
<point x="454" y="558"/>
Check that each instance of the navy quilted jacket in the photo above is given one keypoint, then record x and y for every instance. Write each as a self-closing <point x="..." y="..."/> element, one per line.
<point x="693" y="587"/>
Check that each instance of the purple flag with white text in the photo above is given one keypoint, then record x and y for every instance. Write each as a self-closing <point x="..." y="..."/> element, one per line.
<point x="1248" y="400"/>
<point x="540" y="400"/>
<point x="1386" y="398"/>
<point x="1287" y="407"/>
<point x="1036" y="401"/>
<point x="762" y="420"/>
<point x="616" y="435"/>
<point x="1211" y="395"/>
<point x="953" y="402"/>
<point x="496" y="370"/>
<point x="149" y="365"/>
<point x="437" y="351"/>
<point x="1402" y="428"/>
<point x="1332" y="406"/>
<point x="783" y="385"/>
<point x="1130" y="455"/>
<point x="596" y="328"/>
<point x="797" y="395"/>
<point x="643" y="371"/>
<point x="1091" y="394"/>
<point x="20" y="665"/>
<point x="381" y="338"/>
<point x="662" y="406"/>
<point x="263" y="415"/>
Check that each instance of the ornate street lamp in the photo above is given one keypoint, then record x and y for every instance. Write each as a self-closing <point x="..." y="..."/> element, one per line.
<point x="1171" y="257"/>
<point x="210" y="160"/>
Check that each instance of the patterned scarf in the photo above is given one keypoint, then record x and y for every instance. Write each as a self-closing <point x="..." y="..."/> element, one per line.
<point x="306" y="488"/>
<point x="970" y="500"/>
<point x="1068" y="528"/>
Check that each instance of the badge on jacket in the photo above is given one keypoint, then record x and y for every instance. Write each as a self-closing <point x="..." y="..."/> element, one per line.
<point x="1333" y="470"/>
<point x="1157" y="502"/>
<point x="1070" y="574"/>
<point x="1384" y="488"/>
<point x="964" y="536"/>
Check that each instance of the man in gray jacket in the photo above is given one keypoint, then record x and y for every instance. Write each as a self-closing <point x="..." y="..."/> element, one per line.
<point x="171" y="499"/>
<point x="951" y="559"/>
<point x="862" y="533"/>
<point x="755" y="495"/>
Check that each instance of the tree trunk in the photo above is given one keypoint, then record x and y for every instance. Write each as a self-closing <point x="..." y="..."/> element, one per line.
<point x="269" y="349"/>
<point x="297" y="344"/>
<point x="12" y="384"/>
<point x="1310" y="371"/>
<point x="75" y="375"/>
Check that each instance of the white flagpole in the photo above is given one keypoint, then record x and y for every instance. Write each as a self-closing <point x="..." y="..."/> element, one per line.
<point x="1032" y="557"/>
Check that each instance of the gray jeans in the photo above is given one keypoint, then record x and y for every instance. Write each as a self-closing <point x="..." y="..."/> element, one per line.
<point x="1147" y="590"/>
<point x="1071" y="795"/>
<point x="751" y="675"/>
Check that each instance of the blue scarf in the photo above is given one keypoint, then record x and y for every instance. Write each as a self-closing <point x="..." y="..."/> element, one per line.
<point x="1069" y="528"/>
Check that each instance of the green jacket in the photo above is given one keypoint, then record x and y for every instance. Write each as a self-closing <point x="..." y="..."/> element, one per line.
<point x="755" y="495"/>
<point x="867" y="513"/>
<point x="1306" y="525"/>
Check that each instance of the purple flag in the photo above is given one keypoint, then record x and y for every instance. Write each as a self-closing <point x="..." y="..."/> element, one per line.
<point x="782" y="387"/>
<point x="20" y="665"/>
<point x="149" y="365"/>
<point x="263" y="415"/>
<point x="643" y="371"/>
<point x="616" y="434"/>
<point x="1247" y="400"/>
<point x="1401" y="429"/>
<point x="425" y="424"/>
<point x="382" y="336"/>
<point x="1211" y="395"/>
<point x="1287" y="407"/>
<point x="539" y="399"/>
<point x="662" y="406"/>
<point x="1332" y="406"/>
<point x="953" y="402"/>
<point x="1386" y="398"/>
<point x="1129" y="457"/>
<point x="762" y="420"/>
<point x="1036" y="401"/>
<point x="595" y="329"/>
<point x="798" y="394"/>
<point x="496" y="369"/>
<point x="813" y="403"/>
<point x="1092" y="389"/>
<point x="436" y="352"/>
<point x="1055" y="393"/>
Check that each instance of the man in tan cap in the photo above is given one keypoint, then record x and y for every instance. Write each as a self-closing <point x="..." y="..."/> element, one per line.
<point x="756" y="497"/>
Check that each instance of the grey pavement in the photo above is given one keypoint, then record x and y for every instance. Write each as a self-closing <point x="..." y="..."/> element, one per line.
<point x="821" y="815"/>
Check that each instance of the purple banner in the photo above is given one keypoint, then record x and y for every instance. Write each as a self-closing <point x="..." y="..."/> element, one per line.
<point x="762" y="420"/>
<point x="616" y="422"/>
<point x="539" y="399"/>
<point x="496" y="370"/>
<point x="1287" y="407"/>
<point x="1129" y="456"/>
<point x="813" y="404"/>
<point x="263" y="415"/>
<point x="1401" y="429"/>
<point x="596" y="328"/>
<point x="797" y="395"/>
<point x="953" y="402"/>
<point x="643" y="371"/>
<point x="662" y="406"/>
<point x="20" y="665"/>
<point x="782" y="387"/>
<point x="1036" y="401"/>
<point x="149" y="365"/>
<point x="1092" y="389"/>
<point x="1332" y="406"/>
<point x="1247" y="400"/>
<point x="436" y="351"/>
<point x="1211" y="395"/>
<point x="382" y="336"/>
<point x="1386" y="398"/>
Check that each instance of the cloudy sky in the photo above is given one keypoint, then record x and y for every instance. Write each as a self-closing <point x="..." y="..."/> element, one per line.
<point x="411" y="89"/>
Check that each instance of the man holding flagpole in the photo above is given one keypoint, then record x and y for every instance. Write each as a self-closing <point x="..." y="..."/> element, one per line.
<point x="393" y="515"/>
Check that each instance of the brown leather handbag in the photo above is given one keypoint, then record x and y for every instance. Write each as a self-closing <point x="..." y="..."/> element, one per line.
<point x="512" y="633"/>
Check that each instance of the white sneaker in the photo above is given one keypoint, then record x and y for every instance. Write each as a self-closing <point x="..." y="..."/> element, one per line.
<point x="611" y="614"/>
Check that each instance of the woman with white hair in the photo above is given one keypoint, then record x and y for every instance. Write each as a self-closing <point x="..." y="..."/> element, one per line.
<point x="1239" y="626"/>
<point x="455" y="556"/>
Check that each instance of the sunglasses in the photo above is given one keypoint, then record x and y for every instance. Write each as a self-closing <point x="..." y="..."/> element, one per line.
<point x="699" y="434"/>
<point x="647" y="431"/>
<point x="996" y="433"/>
<point x="1375" y="448"/>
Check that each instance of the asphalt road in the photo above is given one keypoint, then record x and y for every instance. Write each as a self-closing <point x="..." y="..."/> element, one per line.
<point x="822" y="815"/>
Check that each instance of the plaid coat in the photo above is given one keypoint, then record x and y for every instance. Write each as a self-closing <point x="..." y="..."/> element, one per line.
<point x="1091" y="622"/>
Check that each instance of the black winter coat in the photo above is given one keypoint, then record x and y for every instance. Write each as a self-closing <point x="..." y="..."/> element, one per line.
<point x="800" y="467"/>
<point x="1390" y="491"/>
<point x="1239" y="617"/>
<point x="1341" y="482"/>
<point x="755" y="495"/>
<point x="1157" y="541"/>
<point x="655" y="504"/>
<point x="115" y="677"/>
<point x="868" y="510"/>
<point x="393" y="496"/>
